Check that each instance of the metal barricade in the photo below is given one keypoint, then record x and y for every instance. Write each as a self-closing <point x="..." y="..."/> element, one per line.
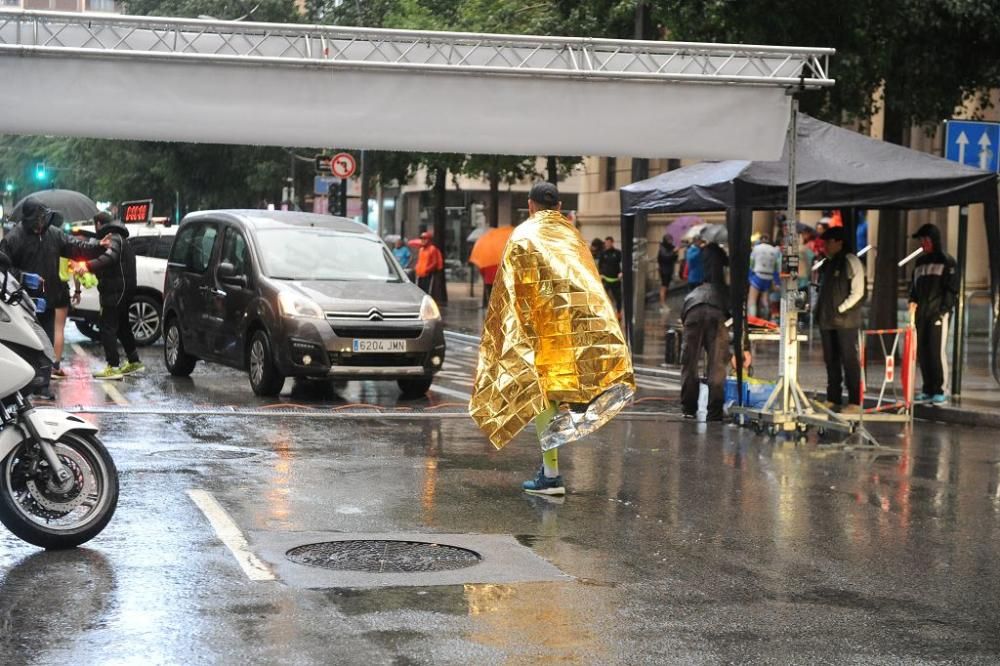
<point x="893" y="399"/>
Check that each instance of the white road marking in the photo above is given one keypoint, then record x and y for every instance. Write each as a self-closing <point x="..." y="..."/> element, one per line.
<point x="80" y="351"/>
<point x="112" y="391"/>
<point x="230" y="535"/>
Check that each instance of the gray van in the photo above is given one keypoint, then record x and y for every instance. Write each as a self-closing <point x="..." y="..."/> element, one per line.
<point x="287" y="294"/>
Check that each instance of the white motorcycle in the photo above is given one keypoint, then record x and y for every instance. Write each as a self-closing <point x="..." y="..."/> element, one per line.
<point x="58" y="484"/>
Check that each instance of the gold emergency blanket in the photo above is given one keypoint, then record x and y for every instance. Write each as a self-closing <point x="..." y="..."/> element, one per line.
<point x="550" y="335"/>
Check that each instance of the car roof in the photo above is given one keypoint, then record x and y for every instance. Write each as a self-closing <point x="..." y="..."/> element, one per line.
<point x="277" y="219"/>
<point x="136" y="229"/>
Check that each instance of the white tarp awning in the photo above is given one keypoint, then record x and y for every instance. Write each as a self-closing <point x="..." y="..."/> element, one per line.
<point x="224" y="82"/>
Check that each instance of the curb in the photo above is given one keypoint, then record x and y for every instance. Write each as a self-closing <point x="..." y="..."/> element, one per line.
<point x="957" y="415"/>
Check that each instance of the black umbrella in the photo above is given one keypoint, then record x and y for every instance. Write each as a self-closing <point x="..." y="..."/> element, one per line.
<point x="72" y="205"/>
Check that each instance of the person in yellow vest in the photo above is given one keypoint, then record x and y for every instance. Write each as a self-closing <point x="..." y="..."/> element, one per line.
<point x="552" y="349"/>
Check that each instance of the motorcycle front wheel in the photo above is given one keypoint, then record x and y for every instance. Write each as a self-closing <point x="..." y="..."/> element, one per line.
<point x="39" y="510"/>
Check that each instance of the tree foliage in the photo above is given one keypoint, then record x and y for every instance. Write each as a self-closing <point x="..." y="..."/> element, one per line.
<point x="931" y="55"/>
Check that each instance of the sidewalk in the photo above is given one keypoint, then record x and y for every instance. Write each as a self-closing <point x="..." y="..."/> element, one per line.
<point x="979" y="403"/>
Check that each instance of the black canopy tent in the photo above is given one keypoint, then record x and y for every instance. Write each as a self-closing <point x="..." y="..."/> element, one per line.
<point x="835" y="168"/>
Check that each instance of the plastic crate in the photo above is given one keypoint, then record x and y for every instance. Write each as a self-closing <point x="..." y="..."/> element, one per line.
<point x="755" y="392"/>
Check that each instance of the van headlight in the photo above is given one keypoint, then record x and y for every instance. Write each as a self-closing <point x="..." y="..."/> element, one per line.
<point x="429" y="309"/>
<point x="294" y="305"/>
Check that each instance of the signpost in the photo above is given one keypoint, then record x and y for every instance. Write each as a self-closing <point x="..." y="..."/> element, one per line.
<point x="973" y="143"/>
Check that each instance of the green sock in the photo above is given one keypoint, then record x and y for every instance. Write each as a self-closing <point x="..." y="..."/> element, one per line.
<point x="550" y="458"/>
<point x="550" y="463"/>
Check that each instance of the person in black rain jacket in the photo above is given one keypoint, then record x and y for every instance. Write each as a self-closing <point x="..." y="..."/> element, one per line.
<point x="35" y="246"/>
<point x="933" y="295"/>
<point x="116" y="284"/>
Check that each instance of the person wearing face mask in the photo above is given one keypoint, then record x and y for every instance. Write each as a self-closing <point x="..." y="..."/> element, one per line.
<point x="35" y="247"/>
<point x="933" y="295"/>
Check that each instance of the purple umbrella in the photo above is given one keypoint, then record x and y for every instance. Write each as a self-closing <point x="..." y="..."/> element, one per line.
<point x="681" y="226"/>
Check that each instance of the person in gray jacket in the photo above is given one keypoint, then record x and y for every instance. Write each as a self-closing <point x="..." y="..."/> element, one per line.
<point x="842" y="290"/>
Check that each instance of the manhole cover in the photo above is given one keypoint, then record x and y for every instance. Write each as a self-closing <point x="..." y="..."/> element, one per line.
<point x="206" y="454"/>
<point x="377" y="556"/>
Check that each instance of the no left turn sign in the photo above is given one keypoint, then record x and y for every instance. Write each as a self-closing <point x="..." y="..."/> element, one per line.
<point x="342" y="165"/>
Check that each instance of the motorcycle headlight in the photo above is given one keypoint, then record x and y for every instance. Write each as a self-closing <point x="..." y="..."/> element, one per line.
<point x="293" y="305"/>
<point x="429" y="309"/>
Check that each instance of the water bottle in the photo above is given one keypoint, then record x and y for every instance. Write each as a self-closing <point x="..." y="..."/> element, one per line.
<point x="702" y="402"/>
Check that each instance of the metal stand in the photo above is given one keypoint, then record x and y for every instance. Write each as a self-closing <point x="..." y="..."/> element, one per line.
<point x="789" y="409"/>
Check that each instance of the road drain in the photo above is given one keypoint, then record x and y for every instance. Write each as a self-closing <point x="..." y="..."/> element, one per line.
<point x="383" y="556"/>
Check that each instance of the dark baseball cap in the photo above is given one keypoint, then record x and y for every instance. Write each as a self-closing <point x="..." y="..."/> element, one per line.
<point x="544" y="193"/>
<point x="835" y="233"/>
<point x="926" y="231"/>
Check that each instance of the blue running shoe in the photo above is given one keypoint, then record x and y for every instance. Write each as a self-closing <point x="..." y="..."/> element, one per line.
<point x="939" y="398"/>
<point x="544" y="485"/>
<point x="921" y="396"/>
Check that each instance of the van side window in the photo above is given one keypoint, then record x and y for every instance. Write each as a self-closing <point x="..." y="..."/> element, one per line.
<point x="193" y="247"/>
<point x="234" y="251"/>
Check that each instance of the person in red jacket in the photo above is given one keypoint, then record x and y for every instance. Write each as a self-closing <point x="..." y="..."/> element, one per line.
<point x="429" y="263"/>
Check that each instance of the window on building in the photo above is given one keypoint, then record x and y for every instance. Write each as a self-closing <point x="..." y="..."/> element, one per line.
<point x="10" y="3"/>
<point x="610" y="174"/>
<point x="102" y="6"/>
<point x="55" y="5"/>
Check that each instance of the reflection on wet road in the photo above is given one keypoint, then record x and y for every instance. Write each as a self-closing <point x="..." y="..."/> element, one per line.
<point x="682" y="543"/>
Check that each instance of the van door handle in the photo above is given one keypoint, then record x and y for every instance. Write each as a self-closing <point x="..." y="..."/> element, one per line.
<point x="212" y="291"/>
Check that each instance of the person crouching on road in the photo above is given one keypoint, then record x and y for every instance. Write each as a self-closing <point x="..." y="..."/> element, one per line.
<point x="706" y="309"/>
<point x="115" y="271"/>
<point x="842" y="289"/>
<point x="429" y="263"/>
<point x="933" y="294"/>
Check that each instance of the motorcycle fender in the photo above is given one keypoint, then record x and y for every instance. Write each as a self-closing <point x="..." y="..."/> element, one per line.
<point x="51" y="424"/>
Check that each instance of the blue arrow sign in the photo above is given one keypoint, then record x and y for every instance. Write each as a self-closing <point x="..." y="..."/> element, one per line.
<point x="973" y="143"/>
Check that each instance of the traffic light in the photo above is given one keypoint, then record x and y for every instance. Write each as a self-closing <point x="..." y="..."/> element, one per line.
<point x="41" y="173"/>
<point x="8" y="186"/>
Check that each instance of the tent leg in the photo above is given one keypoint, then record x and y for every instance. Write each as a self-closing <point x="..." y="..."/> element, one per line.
<point x="628" y="277"/>
<point x="958" y="351"/>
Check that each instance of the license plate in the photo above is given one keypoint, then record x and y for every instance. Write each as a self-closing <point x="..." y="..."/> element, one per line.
<point x="379" y="346"/>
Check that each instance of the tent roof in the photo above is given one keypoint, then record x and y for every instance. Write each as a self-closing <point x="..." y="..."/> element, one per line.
<point x="835" y="168"/>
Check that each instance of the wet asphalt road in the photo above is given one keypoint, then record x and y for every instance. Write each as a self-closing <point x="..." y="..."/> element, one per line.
<point x="677" y="543"/>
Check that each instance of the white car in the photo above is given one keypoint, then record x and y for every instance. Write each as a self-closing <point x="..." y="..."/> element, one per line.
<point x="152" y="247"/>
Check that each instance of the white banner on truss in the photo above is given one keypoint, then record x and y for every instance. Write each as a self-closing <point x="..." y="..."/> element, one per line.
<point x="394" y="110"/>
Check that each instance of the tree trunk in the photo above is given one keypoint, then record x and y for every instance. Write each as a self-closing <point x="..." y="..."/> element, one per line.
<point x="885" y="292"/>
<point x="440" y="293"/>
<point x="494" y="198"/>
<point x="552" y="167"/>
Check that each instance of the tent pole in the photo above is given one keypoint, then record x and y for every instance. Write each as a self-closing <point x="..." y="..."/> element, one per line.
<point x="628" y="281"/>
<point x="992" y="218"/>
<point x="789" y="363"/>
<point x="958" y="350"/>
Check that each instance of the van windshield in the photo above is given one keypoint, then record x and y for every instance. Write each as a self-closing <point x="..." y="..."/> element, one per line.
<point x="321" y="254"/>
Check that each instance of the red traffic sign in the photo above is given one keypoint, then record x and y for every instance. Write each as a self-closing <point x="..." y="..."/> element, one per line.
<point x="343" y="165"/>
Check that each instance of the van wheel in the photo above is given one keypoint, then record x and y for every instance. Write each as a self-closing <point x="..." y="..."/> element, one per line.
<point x="414" y="388"/>
<point x="265" y="380"/>
<point x="179" y="363"/>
